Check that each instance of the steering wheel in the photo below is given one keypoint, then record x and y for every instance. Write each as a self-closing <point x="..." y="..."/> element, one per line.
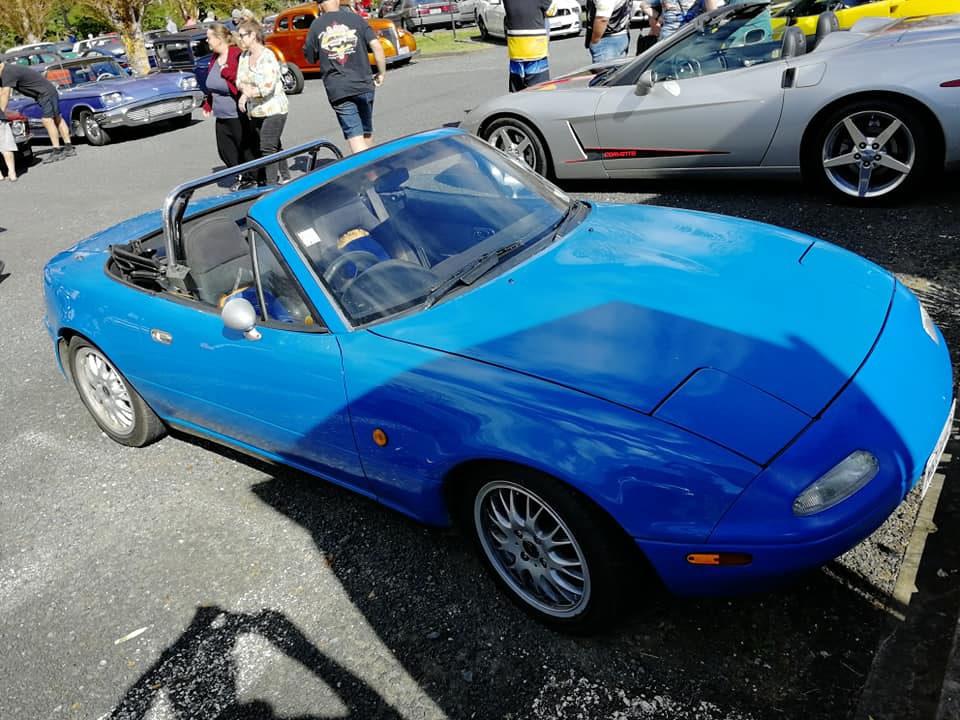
<point x="361" y="259"/>
<point x="105" y="76"/>
<point x="685" y="67"/>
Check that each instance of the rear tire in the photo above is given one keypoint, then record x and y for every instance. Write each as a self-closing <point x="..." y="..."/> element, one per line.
<point x="115" y="406"/>
<point x="556" y="556"/>
<point x="870" y="151"/>
<point x="292" y="78"/>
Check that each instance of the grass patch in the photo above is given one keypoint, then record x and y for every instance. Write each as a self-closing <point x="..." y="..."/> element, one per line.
<point x="441" y="42"/>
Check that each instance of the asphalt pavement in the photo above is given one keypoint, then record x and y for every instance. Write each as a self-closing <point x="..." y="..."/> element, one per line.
<point x="186" y="581"/>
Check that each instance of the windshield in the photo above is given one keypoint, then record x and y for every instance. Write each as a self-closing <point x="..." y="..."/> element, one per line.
<point x="399" y="232"/>
<point x="727" y="41"/>
<point x="69" y="76"/>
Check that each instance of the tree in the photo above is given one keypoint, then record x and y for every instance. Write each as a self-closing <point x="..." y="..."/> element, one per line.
<point x="26" y="19"/>
<point x="126" y="16"/>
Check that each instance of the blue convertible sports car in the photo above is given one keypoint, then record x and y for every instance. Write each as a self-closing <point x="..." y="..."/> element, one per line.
<point x="590" y="390"/>
<point x="97" y="95"/>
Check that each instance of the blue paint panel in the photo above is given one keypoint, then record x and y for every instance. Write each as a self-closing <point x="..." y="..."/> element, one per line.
<point x="734" y="414"/>
<point x="441" y="410"/>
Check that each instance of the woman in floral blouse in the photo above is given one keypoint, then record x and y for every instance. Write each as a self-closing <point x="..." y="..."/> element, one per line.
<point x="262" y="95"/>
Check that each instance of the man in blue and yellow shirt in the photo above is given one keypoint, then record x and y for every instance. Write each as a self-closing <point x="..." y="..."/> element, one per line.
<point x="525" y="22"/>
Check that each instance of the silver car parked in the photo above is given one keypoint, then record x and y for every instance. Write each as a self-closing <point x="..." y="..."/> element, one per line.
<point x="855" y="114"/>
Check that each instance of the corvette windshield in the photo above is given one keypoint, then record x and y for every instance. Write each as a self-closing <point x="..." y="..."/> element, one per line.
<point x="418" y="225"/>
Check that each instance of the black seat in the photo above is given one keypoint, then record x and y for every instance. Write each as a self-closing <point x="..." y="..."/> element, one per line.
<point x="794" y="42"/>
<point x="827" y="22"/>
<point x="218" y="256"/>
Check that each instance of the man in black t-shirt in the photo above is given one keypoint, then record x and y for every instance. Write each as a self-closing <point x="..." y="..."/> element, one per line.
<point x="338" y="40"/>
<point x="30" y="83"/>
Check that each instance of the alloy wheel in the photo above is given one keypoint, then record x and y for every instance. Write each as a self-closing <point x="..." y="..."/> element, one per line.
<point x="532" y="549"/>
<point x="868" y="154"/>
<point x="104" y="390"/>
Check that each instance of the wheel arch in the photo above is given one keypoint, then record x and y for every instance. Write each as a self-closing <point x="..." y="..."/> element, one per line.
<point x="938" y="138"/>
<point x="462" y="477"/>
<point x="482" y="129"/>
<point x="75" y="126"/>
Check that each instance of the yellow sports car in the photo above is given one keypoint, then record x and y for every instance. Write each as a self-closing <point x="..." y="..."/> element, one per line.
<point x="804" y="13"/>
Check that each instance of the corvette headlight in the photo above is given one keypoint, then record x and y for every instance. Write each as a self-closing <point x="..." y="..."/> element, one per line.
<point x="838" y="483"/>
<point x="188" y="83"/>
<point x="928" y="325"/>
<point x="112" y="98"/>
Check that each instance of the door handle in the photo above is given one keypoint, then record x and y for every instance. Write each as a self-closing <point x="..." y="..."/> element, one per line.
<point x="161" y="336"/>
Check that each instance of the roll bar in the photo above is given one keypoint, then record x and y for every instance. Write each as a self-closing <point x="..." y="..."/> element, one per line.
<point x="175" y="204"/>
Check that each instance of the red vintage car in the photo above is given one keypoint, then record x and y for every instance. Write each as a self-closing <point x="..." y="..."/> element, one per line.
<point x="289" y="32"/>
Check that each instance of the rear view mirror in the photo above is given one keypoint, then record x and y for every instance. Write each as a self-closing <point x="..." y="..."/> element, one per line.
<point x="644" y="83"/>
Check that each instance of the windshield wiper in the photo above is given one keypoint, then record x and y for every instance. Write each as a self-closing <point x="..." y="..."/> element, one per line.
<point x="470" y="273"/>
<point x="480" y="266"/>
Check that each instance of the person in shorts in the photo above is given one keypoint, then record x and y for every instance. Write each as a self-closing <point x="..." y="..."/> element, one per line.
<point x="338" y="40"/>
<point x="30" y="83"/>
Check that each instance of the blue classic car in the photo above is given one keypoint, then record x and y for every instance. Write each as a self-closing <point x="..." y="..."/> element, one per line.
<point x="97" y="96"/>
<point x="590" y="390"/>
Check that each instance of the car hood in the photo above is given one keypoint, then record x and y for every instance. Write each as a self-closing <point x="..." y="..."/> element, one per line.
<point x="133" y="86"/>
<point x="635" y="301"/>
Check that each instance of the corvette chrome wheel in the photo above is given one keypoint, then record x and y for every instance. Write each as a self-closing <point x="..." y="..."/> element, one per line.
<point x="868" y="154"/>
<point x="119" y="411"/>
<point x="532" y="549"/>
<point x="872" y="151"/>
<point x="519" y="140"/>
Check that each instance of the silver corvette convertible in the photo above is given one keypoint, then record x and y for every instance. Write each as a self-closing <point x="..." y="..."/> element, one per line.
<point x="868" y="113"/>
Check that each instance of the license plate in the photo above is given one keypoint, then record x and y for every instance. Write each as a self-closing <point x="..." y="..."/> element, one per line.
<point x="403" y="50"/>
<point x="435" y="11"/>
<point x="930" y="469"/>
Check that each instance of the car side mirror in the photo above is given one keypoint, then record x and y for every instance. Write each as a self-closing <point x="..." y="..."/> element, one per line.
<point x="644" y="83"/>
<point x="239" y="314"/>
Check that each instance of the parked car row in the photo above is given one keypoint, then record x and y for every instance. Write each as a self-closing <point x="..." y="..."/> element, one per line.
<point x="97" y="95"/>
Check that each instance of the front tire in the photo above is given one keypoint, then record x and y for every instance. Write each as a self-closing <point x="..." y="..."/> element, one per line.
<point x="91" y="129"/>
<point x="554" y="554"/>
<point x="482" y="27"/>
<point x="292" y="78"/>
<point x="116" y="407"/>
<point x="520" y="140"/>
<point x="870" y="152"/>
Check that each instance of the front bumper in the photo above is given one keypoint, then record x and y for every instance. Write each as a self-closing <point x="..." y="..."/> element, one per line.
<point x="155" y="109"/>
<point x="896" y="406"/>
<point x="401" y="57"/>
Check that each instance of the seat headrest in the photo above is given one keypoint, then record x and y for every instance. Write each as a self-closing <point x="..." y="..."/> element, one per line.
<point x="211" y="242"/>
<point x="794" y="42"/>
<point x="827" y="22"/>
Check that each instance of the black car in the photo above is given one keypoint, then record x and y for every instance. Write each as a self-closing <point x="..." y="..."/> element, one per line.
<point x="186" y="51"/>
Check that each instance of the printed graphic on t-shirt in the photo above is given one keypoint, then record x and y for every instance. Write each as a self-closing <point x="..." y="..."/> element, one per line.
<point x="338" y="42"/>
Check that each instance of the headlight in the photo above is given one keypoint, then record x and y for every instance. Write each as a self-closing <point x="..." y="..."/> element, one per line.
<point x="112" y="98"/>
<point x="18" y="128"/>
<point x="928" y="325"/>
<point x="838" y="483"/>
<point x="188" y="83"/>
